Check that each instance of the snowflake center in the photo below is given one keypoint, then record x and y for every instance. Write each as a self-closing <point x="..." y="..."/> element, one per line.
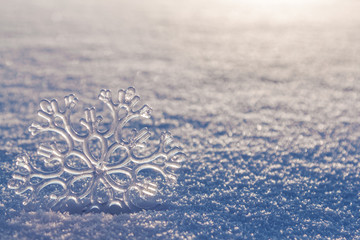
<point x="99" y="170"/>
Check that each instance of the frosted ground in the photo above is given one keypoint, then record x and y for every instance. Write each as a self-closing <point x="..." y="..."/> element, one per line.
<point x="263" y="97"/>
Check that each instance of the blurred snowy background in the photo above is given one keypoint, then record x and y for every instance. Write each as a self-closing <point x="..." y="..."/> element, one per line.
<point x="262" y="95"/>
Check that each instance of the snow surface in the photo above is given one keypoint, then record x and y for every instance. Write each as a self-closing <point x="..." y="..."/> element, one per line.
<point x="264" y="98"/>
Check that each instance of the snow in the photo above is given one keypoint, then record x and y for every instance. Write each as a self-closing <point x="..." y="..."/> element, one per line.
<point x="262" y="96"/>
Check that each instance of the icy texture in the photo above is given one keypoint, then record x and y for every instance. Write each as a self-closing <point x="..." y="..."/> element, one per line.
<point x="262" y="95"/>
<point x="71" y="165"/>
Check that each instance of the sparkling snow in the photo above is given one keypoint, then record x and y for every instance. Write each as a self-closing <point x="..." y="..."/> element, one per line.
<point x="262" y="95"/>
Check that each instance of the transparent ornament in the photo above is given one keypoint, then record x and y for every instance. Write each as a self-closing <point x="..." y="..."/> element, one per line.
<point x="97" y="169"/>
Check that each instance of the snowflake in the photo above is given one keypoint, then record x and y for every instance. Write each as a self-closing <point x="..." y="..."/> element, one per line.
<point x="96" y="177"/>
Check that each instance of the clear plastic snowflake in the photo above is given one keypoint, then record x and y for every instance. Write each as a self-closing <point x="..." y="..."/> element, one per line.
<point x="113" y="172"/>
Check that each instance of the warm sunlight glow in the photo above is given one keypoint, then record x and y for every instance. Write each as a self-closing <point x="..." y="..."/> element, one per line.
<point x="277" y="11"/>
